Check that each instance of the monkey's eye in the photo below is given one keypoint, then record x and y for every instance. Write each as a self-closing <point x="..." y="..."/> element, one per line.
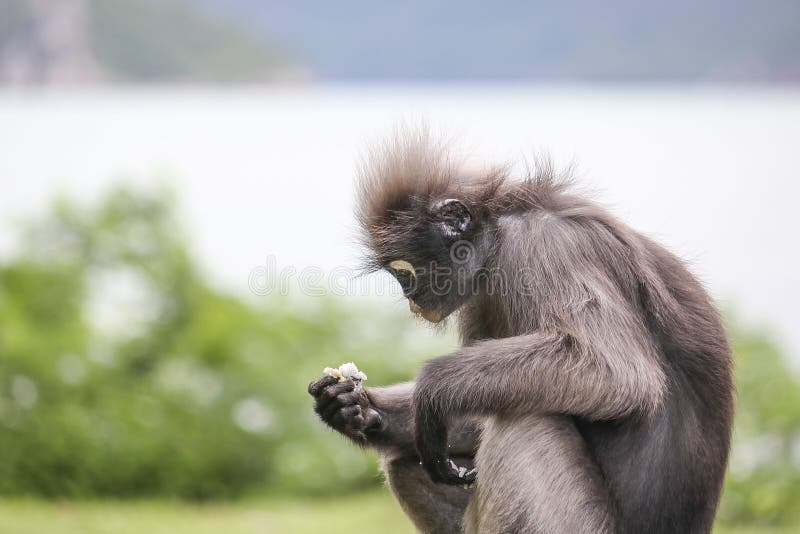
<point x="404" y="272"/>
<point x="407" y="280"/>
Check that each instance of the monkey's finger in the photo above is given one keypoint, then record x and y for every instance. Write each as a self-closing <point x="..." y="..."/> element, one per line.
<point x="346" y="418"/>
<point x="470" y="476"/>
<point x="445" y="471"/>
<point x="372" y="420"/>
<point x="327" y="400"/>
<point x="334" y="390"/>
<point x="465" y="474"/>
<point x="347" y="398"/>
<point x="446" y="476"/>
<point x="314" y="388"/>
<point x="329" y="407"/>
<point x="355" y="422"/>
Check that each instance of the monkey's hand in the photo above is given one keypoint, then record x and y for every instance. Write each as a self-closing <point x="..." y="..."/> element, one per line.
<point x="344" y="408"/>
<point x="431" y="442"/>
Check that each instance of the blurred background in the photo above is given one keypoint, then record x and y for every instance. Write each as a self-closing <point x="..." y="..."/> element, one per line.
<point x="178" y="254"/>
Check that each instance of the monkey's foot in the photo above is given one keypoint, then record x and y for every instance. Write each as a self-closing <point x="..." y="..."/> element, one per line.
<point x="464" y="472"/>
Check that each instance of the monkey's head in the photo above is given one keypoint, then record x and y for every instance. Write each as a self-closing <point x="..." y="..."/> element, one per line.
<point x="423" y="222"/>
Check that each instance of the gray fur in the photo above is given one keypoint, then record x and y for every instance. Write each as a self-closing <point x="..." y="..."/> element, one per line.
<point x="592" y="359"/>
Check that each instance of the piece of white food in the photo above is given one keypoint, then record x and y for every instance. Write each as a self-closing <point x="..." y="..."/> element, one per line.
<point x="346" y="371"/>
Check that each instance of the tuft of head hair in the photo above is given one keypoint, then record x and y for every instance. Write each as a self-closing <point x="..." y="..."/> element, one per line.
<point x="413" y="168"/>
<point x="410" y="164"/>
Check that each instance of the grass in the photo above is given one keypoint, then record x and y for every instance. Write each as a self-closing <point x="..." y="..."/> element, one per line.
<point x="370" y="512"/>
<point x="334" y="516"/>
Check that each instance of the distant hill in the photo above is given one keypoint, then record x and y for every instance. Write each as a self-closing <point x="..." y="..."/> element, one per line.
<point x="147" y="40"/>
<point x="221" y="41"/>
<point x="564" y="40"/>
<point x="85" y="41"/>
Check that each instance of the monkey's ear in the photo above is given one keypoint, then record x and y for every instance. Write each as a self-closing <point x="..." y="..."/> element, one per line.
<point x="452" y="215"/>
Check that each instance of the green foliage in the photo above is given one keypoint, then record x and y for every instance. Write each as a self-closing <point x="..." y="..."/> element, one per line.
<point x="763" y="483"/>
<point x="123" y="373"/>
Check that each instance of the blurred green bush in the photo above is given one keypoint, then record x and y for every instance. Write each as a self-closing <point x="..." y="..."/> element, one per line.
<point x="123" y="372"/>
<point x="763" y="482"/>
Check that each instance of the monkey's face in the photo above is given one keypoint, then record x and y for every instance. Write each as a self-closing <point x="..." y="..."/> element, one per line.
<point x="433" y="257"/>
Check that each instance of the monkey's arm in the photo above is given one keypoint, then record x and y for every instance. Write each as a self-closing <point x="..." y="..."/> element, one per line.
<point x="382" y="417"/>
<point x="601" y="366"/>
<point x="394" y="428"/>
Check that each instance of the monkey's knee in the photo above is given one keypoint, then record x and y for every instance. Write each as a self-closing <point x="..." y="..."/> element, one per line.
<point x="433" y="508"/>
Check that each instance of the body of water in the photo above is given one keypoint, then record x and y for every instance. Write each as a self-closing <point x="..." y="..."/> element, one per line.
<point x="267" y="173"/>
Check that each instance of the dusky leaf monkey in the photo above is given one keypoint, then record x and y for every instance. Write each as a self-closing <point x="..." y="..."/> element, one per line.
<point x="592" y="391"/>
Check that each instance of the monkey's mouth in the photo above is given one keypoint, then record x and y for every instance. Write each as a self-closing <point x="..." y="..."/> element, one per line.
<point x="433" y="316"/>
<point x="407" y="277"/>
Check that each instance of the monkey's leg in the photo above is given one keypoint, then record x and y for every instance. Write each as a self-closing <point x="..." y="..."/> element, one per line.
<point x="535" y="475"/>
<point x="434" y="508"/>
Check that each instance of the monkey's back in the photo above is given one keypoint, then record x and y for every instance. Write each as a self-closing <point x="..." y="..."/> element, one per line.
<point x="666" y="473"/>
